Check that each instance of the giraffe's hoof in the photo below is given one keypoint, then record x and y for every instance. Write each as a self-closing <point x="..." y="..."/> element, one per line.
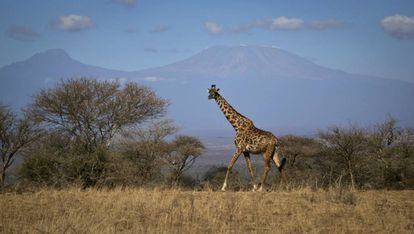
<point x="223" y="188"/>
<point x="254" y="188"/>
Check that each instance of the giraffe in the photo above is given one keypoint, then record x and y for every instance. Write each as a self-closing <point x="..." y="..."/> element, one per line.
<point x="248" y="140"/>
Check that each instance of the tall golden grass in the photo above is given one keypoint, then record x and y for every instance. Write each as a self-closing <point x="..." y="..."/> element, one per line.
<point x="132" y="210"/>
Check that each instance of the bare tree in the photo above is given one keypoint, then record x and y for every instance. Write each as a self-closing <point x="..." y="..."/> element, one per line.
<point x="392" y="147"/>
<point x="385" y="133"/>
<point x="183" y="152"/>
<point x="92" y="111"/>
<point x="15" y="135"/>
<point x="349" y="145"/>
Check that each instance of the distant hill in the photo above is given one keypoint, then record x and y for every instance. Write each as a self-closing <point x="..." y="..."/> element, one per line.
<point x="20" y="80"/>
<point x="277" y="89"/>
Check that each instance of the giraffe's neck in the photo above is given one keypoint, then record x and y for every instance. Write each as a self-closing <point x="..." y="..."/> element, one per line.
<point x="237" y="120"/>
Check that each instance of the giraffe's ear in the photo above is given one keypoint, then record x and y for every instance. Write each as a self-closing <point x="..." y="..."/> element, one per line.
<point x="218" y="90"/>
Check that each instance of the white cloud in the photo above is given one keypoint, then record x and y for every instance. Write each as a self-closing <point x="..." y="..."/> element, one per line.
<point x="286" y="23"/>
<point x="399" y="26"/>
<point x="22" y="33"/>
<point x="212" y="27"/>
<point x="72" y="23"/>
<point x="279" y="23"/>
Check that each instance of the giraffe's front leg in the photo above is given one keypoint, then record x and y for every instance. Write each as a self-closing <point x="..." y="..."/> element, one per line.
<point x="232" y="161"/>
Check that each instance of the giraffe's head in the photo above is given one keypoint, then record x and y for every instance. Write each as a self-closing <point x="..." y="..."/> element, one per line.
<point x="213" y="92"/>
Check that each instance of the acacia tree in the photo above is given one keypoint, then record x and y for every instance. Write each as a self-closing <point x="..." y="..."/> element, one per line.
<point x="89" y="113"/>
<point x="183" y="152"/>
<point x="150" y="151"/>
<point x="92" y="111"/>
<point x="145" y="147"/>
<point x="15" y="135"/>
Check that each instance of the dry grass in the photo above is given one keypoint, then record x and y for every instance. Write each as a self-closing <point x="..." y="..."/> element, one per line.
<point x="174" y="211"/>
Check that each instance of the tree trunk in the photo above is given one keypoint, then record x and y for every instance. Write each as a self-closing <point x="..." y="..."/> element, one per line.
<point x="352" y="179"/>
<point x="3" y="179"/>
<point x="351" y="175"/>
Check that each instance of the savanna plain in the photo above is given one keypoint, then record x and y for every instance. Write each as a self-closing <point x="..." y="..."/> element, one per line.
<point x="158" y="210"/>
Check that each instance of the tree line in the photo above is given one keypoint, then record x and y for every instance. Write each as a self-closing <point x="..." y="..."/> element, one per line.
<point x="379" y="156"/>
<point x="101" y="133"/>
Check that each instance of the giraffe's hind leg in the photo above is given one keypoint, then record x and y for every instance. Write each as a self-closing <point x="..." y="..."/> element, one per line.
<point x="267" y="156"/>
<point x="250" y="168"/>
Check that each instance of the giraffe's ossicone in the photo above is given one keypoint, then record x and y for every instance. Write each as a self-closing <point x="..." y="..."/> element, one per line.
<point x="249" y="139"/>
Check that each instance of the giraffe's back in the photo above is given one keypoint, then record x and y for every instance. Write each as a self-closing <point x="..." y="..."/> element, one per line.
<point x="255" y="140"/>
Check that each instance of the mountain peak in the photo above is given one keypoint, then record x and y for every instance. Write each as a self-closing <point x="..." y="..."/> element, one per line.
<point x="245" y="46"/>
<point x="247" y="61"/>
<point x="52" y="54"/>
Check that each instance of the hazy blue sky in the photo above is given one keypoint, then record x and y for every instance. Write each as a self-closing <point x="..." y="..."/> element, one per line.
<point x="373" y="37"/>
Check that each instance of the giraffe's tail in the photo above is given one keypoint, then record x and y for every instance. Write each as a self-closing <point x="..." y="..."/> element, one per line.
<point x="282" y="164"/>
<point x="279" y="163"/>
